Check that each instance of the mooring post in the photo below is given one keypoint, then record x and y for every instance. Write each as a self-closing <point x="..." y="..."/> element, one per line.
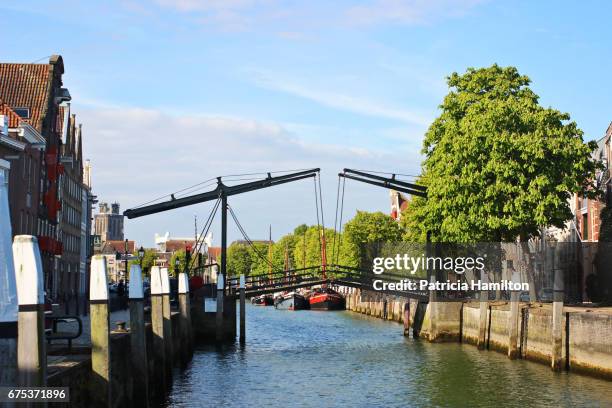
<point x="219" y="317"/>
<point x="31" y="352"/>
<point x="185" y="319"/>
<point x="100" y="389"/>
<point x="242" y="309"/>
<point x="8" y="295"/>
<point x="167" y="312"/>
<point x="160" y="382"/>
<point x="138" y="340"/>
<point x="513" y="319"/>
<point x="484" y="308"/>
<point x="557" y="311"/>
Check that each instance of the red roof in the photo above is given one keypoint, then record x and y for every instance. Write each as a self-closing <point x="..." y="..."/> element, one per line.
<point x="117" y="246"/>
<point x="13" y="119"/>
<point x="27" y="86"/>
<point x="173" y="245"/>
<point x="214" y="253"/>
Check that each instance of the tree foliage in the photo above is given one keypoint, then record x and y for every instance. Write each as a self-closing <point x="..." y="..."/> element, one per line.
<point x="497" y="164"/>
<point x="148" y="260"/>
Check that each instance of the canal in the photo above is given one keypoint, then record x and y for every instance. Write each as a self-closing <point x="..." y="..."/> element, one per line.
<point x="322" y="359"/>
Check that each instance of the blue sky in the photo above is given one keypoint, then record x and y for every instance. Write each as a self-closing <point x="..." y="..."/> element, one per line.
<point x="174" y="92"/>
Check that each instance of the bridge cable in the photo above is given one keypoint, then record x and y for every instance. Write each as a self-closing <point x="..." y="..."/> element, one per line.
<point x="202" y="236"/>
<point x="248" y="240"/>
<point x="336" y="217"/>
<point x="340" y="223"/>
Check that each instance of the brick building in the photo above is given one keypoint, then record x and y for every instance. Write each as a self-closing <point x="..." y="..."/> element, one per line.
<point x="21" y="149"/>
<point x="43" y="150"/>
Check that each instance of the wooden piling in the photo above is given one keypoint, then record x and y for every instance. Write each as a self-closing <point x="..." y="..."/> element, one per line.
<point x="219" y="329"/>
<point x="159" y="382"/>
<point x="557" y="313"/>
<point x="242" y="309"/>
<point x="186" y="340"/>
<point x="100" y="385"/>
<point x="484" y="309"/>
<point x="138" y="340"/>
<point x="8" y="297"/>
<point x="31" y="352"/>
<point x="167" y="313"/>
<point x="513" y="320"/>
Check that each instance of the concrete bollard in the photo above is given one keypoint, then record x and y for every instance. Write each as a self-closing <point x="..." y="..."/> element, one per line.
<point x="8" y="296"/>
<point x="100" y="391"/>
<point x="219" y="318"/>
<point x="31" y="351"/>
<point x="185" y="319"/>
<point x="167" y="313"/>
<point x="160" y="382"/>
<point x="138" y="340"/>
<point x="242" y="309"/>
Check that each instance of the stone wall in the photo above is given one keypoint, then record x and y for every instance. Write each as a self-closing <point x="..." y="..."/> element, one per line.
<point x="586" y="335"/>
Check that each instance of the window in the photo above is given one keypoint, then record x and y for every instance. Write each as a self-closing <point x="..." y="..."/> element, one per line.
<point x="23" y="112"/>
<point x="585" y="227"/>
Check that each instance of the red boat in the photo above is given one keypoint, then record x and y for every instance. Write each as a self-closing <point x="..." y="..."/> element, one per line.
<point x="326" y="299"/>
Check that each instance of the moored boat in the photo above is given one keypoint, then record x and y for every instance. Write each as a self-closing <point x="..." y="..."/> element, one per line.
<point x="326" y="299"/>
<point x="291" y="301"/>
<point x="263" y="300"/>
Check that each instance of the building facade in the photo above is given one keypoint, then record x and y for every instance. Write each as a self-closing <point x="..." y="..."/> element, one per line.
<point x="35" y="93"/>
<point x="108" y="223"/>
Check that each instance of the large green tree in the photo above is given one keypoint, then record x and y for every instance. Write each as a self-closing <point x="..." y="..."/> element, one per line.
<point x="498" y="166"/>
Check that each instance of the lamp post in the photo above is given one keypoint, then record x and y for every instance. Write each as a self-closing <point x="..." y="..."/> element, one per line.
<point x="177" y="264"/>
<point x="126" y="275"/>
<point x="141" y="254"/>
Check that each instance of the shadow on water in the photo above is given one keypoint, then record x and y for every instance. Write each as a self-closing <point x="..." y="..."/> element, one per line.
<point x="314" y="359"/>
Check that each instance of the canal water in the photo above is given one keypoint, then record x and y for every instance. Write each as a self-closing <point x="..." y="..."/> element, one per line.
<point x="329" y="359"/>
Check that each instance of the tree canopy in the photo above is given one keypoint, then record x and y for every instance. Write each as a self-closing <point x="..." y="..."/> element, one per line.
<point x="497" y="165"/>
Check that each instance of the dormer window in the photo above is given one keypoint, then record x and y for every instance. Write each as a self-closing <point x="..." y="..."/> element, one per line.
<point x="23" y="113"/>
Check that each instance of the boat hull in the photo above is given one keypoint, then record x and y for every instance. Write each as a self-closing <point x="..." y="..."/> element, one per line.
<point x="264" y="300"/>
<point x="327" y="301"/>
<point x="293" y="302"/>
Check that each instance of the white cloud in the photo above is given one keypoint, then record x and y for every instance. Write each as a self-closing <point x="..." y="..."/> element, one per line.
<point x="343" y="102"/>
<point x="141" y="154"/>
<point x="240" y="15"/>
<point x="407" y="11"/>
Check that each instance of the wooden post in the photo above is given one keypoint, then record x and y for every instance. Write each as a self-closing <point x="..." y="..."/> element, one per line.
<point x="242" y="310"/>
<point x="513" y="319"/>
<point x="160" y="382"/>
<point x="31" y="353"/>
<point x="100" y="389"/>
<point x="185" y="318"/>
<point x="219" y="317"/>
<point x="138" y="340"/>
<point x="557" y="312"/>
<point x="484" y="308"/>
<point x="165" y="282"/>
<point x="8" y="294"/>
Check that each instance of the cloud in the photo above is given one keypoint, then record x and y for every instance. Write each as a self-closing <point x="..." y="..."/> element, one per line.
<point x="242" y="15"/>
<point x="341" y="101"/>
<point x="141" y="154"/>
<point x="407" y="12"/>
